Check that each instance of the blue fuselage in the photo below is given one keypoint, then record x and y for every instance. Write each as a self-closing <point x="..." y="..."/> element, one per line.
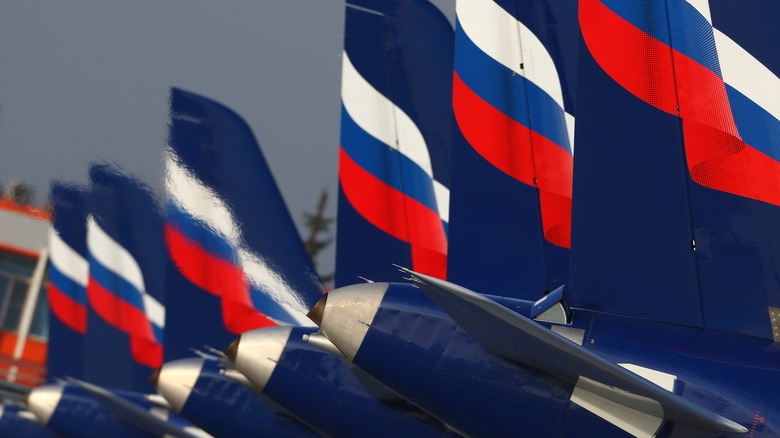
<point x="226" y="408"/>
<point x="320" y="389"/>
<point x="79" y="415"/>
<point x="12" y="425"/>
<point x="418" y="351"/>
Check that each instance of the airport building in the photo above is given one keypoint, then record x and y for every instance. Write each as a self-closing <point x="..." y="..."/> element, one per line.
<point x="24" y="232"/>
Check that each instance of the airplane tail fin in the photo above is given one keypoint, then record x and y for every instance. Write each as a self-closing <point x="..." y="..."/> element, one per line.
<point x="126" y="286"/>
<point x="228" y="230"/>
<point x="395" y="140"/>
<point x="677" y="197"/>
<point x="513" y="99"/>
<point x="68" y="274"/>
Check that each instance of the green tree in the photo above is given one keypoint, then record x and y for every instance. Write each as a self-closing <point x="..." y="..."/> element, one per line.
<point x="319" y="225"/>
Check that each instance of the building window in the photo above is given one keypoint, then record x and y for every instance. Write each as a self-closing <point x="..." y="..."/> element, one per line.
<point x="15" y="274"/>
<point x="40" y="321"/>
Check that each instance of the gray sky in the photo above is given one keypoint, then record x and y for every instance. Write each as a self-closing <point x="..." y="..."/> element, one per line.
<point x="87" y="80"/>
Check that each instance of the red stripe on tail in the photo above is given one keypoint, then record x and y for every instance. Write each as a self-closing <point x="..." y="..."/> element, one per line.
<point x="129" y="319"/>
<point x="521" y="153"/>
<point x="67" y="310"/>
<point x="398" y="215"/>
<point x="219" y="277"/>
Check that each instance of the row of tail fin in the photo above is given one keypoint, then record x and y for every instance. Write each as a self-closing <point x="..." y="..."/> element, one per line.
<point x="117" y="259"/>
<point x="674" y="214"/>
<point x="677" y="177"/>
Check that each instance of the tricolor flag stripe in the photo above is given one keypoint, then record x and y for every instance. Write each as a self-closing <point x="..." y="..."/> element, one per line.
<point x="199" y="201"/>
<point x="718" y="155"/>
<point x="747" y="75"/>
<point x="129" y="319"/>
<point x="70" y="311"/>
<point x="442" y="194"/>
<point x="384" y="163"/>
<point x="67" y="286"/>
<point x="241" y="300"/>
<point x="271" y="288"/>
<point x="508" y="103"/>
<point x="120" y="287"/>
<point x="68" y="277"/>
<point x="67" y="261"/>
<point x="155" y="311"/>
<point x="650" y="19"/>
<point x="374" y="129"/>
<point x="114" y="270"/>
<point x="698" y="42"/>
<point x="209" y="240"/>
<point x="379" y="203"/>
<point x="113" y="256"/>
<point x="489" y="131"/>
<point x="617" y="52"/>
<point x="512" y="94"/>
<point x="201" y="216"/>
<point x="755" y="124"/>
<point x="508" y="41"/>
<point x="380" y="118"/>
<point x="219" y="277"/>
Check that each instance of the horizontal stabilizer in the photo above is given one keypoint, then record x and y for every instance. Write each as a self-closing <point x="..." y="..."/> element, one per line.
<point x="132" y="413"/>
<point x="520" y="340"/>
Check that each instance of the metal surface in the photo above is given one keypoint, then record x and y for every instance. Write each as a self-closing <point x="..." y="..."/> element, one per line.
<point x="228" y="409"/>
<point x="237" y="377"/>
<point x="322" y="391"/>
<point x="348" y="314"/>
<point x="176" y="380"/>
<point x="316" y="312"/>
<point x="323" y="344"/>
<point x="43" y="401"/>
<point x="258" y="353"/>
<point x="520" y="340"/>
<point x="416" y="350"/>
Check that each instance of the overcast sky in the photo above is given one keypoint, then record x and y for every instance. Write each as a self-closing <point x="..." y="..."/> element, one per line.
<point x="82" y="81"/>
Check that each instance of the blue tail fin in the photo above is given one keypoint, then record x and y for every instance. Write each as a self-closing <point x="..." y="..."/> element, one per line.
<point x="514" y="71"/>
<point x="228" y="231"/>
<point x="68" y="274"/>
<point x="395" y="140"/>
<point x="127" y="265"/>
<point x="677" y="198"/>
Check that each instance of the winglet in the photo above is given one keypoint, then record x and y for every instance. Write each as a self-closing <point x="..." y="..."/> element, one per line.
<point x="520" y="340"/>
